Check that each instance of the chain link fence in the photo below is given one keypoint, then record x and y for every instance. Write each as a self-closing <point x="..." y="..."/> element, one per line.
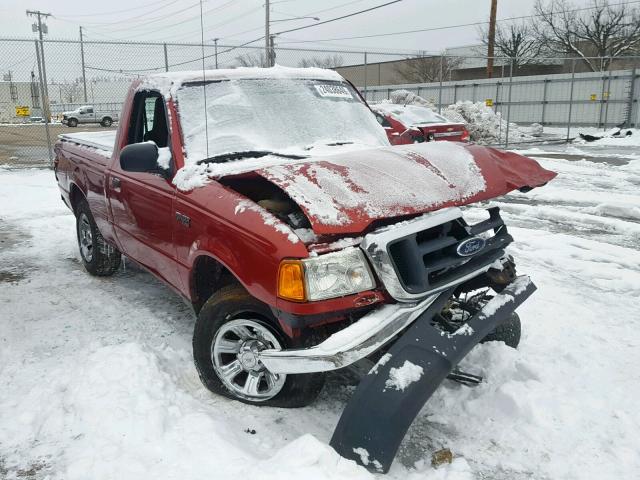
<point x="41" y="81"/>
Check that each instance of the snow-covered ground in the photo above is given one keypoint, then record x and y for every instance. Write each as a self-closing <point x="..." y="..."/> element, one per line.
<point x="97" y="380"/>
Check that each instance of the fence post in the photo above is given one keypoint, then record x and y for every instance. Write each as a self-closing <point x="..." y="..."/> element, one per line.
<point x="495" y="104"/>
<point x="440" y="89"/>
<point x="45" y="103"/>
<point x="506" y="138"/>
<point x="606" y="107"/>
<point x="632" y="92"/>
<point x="365" y="75"/>
<point x="166" y="58"/>
<point x="573" y="77"/>
<point x="84" y="76"/>
<point x="544" y="100"/>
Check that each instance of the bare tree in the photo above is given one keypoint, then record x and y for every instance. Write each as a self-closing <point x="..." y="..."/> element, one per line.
<point x="516" y="42"/>
<point x="70" y="92"/>
<point x="251" y="59"/>
<point x="330" y="61"/>
<point x="605" y="31"/>
<point x="425" y="68"/>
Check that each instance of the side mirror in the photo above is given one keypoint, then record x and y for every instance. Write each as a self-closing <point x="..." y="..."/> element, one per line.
<point x="139" y="157"/>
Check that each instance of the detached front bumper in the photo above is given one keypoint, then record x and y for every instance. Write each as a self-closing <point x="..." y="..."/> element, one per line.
<point x="372" y="331"/>
<point x="378" y="414"/>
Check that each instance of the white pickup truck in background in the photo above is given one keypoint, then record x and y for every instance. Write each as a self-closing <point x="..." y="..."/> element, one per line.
<point x="88" y="114"/>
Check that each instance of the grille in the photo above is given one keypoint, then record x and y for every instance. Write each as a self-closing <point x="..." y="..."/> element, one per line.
<point x="427" y="260"/>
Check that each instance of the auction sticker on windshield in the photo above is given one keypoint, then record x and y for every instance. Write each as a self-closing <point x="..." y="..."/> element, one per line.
<point x="336" y="91"/>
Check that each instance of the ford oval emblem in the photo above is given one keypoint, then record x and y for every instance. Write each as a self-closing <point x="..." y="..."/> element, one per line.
<point x="470" y="246"/>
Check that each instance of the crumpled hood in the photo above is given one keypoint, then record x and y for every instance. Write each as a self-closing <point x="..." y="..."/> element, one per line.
<point x="345" y="193"/>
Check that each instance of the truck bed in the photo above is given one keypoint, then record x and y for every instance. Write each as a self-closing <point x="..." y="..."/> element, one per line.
<point x="103" y="140"/>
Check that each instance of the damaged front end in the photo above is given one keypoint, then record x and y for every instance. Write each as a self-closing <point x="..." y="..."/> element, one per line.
<point x="453" y="284"/>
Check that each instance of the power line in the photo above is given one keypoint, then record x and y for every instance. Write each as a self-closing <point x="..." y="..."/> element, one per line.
<point x="262" y="37"/>
<point x="146" y="31"/>
<point x="433" y="29"/>
<point x="306" y="14"/>
<point x="114" y="12"/>
<point x="150" y="21"/>
<point x="124" y="20"/>
<point x="338" y="18"/>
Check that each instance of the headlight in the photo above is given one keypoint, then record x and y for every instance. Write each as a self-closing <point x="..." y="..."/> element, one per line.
<point x="327" y="276"/>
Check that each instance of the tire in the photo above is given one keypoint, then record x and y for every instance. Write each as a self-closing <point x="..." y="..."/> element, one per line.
<point x="508" y="332"/>
<point x="217" y="348"/>
<point x="99" y="258"/>
<point x="106" y="122"/>
<point x="72" y="122"/>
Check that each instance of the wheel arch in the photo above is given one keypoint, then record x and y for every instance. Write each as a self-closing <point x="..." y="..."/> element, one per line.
<point x="207" y="276"/>
<point x="76" y="195"/>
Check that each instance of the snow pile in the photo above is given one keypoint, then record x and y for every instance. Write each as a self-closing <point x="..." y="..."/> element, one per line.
<point x="405" y="97"/>
<point x="87" y="419"/>
<point x="484" y="124"/>
<point x="401" y="377"/>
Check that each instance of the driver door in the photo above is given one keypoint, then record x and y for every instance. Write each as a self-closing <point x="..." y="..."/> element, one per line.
<point x="142" y="202"/>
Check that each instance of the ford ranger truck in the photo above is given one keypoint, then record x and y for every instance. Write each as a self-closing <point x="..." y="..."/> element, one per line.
<point x="304" y="241"/>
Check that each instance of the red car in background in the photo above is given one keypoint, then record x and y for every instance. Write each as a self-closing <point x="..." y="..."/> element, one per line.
<point x="406" y="124"/>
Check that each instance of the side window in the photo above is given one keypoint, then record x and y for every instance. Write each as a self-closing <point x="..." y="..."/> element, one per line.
<point x="149" y="111"/>
<point x="382" y="120"/>
<point x="89" y="110"/>
<point x="148" y="120"/>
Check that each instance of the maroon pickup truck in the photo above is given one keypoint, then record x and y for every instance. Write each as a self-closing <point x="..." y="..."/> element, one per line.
<point x="272" y="201"/>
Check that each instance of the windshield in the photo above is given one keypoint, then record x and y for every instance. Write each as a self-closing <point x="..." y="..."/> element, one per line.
<point x="290" y="115"/>
<point x="410" y="115"/>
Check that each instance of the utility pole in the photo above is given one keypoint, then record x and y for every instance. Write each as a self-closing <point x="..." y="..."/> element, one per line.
<point x="492" y="37"/>
<point x="267" y="37"/>
<point x="41" y="28"/>
<point x="84" y="76"/>
<point x="215" y="46"/>
<point x="272" y="50"/>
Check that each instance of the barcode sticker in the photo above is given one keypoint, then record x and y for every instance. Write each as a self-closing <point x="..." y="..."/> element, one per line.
<point x="336" y="91"/>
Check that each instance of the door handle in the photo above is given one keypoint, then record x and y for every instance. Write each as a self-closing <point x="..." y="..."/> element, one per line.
<point x="115" y="183"/>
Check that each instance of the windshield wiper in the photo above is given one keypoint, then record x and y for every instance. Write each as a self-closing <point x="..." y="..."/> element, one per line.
<point x="228" y="157"/>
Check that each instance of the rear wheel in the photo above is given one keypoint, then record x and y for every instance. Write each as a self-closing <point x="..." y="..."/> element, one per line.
<point x="231" y="328"/>
<point x="106" y="122"/>
<point x="99" y="258"/>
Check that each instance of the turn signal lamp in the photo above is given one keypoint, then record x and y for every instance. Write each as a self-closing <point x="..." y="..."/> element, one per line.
<point x="291" y="281"/>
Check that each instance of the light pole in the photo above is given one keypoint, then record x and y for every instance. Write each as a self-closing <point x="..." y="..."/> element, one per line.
<point x="267" y="37"/>
<point x="215" y="44"/>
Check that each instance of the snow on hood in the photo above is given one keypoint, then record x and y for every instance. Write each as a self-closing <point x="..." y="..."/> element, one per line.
<point x="347" y="192"/>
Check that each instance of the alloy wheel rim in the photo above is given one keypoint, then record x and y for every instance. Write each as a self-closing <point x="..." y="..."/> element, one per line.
<point x="234" y="356"/>
<point x="85" y="238"/>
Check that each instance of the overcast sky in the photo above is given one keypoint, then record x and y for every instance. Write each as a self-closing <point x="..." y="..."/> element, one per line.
<point x="233" y="20"/>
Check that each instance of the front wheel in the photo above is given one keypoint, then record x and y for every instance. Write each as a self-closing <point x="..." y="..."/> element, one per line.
<point x="72" y="122"/>
<point x="231" y="329"/>
<point x="99" y="258"/>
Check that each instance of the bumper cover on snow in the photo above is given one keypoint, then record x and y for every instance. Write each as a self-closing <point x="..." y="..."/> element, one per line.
<point x="378" y="415"/>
